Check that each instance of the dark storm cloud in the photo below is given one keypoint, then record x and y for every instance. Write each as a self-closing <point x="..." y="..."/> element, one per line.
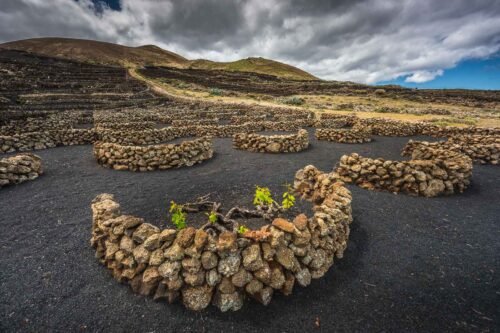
<point x="365" y="41"/>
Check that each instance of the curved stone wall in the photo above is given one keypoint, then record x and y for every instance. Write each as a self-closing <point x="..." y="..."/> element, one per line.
<point x="430" y="172"/>
<point x="46" y="139"/>
<point x="125" y="126"/>
<point x="344" y="135"/>
<point x="254" y="142"/>
<point x="153" y="157"/>
<point x="386" y="127"/>
<point x="224" y="269"/>
<point x="481" y="149"/>
<point x="20" y="168"/>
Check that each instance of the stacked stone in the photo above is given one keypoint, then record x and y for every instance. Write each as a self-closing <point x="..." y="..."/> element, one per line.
<point x="448" y="131"/>
<point x="344" y="135"/>
<point x="224" y="269"/>
<point x="153" y="157"/>
<point x="143" y="137"/>
<point x="46" y="139"/>
<point x="272" y="143"/>
<point x="224" y="131"/>
<point x="430" y="172"/>
<point x="481" y="149"/>
<point x="287" y="126"/>
<point x="20" y="168"/>
<point x="329" y="120"/>
<point x="33" y="125"/>
<point x="125" y="126"/>
<point x="386" y="127"/>
<point x="194" y="122"/>
<point x="238" y="120"/>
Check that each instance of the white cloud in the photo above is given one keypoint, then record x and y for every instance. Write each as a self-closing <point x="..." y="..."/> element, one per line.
<point x="424" y="76"/>
<point x="364" y="41"/>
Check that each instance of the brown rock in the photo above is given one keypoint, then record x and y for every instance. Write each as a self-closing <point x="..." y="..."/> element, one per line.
<point x="300" y="221"/>
<point x="283" y="225"/>
<point x="200" y="239"/>
<point x="226" y="286"/>
<point x="252" y="259"/>
<point x="151" y="275"/>
<point x="152" y="242"/>
<point x="174" y="252"/>
<point x="169" y="269"/>
<point x="209" y="260"/>
<point x="143" y="232"/>
<point x="285" y="257"/>
<point x="141" y="255"/>
<point x="127" y="244"/>
<point x="156" y="258"/>
<point x="241" y="278"/>
<point x="254" y="287"/>
<point x="230" y="264"/>
<point x="197" y="298"/>
<point x="185" y="237"/>
<point x="226" y="302"/>
<point x="227" y="241"/>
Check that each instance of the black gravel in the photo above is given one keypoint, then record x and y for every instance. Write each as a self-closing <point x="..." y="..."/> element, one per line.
<point x="412" y="264"/>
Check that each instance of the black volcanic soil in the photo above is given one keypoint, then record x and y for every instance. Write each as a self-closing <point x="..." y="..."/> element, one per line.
<point x="412" y="264"/>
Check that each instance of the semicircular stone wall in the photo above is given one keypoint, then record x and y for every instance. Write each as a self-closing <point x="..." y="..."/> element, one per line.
<point x="429" y="173"/>
<point x="153" y="157"/>
<point x="481" y="149"/>
<point x="225" y="268"/>
<point x="344" y="135"/>
<point x="20" y="168"/>
<point x="289" y="143"/>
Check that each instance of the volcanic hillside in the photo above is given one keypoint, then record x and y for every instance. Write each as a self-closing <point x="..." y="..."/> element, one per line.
<point x="103" y="53"/>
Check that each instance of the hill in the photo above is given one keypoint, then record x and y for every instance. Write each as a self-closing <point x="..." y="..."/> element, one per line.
<point x="96" y="52"/>
<point x="103" y="53"/>
<point x="255" y="65"/>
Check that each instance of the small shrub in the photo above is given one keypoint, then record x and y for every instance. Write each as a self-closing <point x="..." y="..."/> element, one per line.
<point x="288" y="198"/>
<point x="242" y="229"/>
<point x="212" y="217"/>
<point x="293" y="100"/>
<point x="215" y="92"/>
<point x="262" y="196"/>
<point x="178" y="215"/>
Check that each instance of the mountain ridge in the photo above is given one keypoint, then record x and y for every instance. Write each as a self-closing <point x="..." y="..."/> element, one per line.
<point x="105" y="53"/>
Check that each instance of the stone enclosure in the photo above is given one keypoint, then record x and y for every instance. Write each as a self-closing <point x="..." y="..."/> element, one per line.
<point x="344" y="135"/>
<point x="20" y="168"/>
<point x="430" y="172"/>
<point x="255" y="142"/>
<point x="200" y="266"/>
<point x="153" y="157"/>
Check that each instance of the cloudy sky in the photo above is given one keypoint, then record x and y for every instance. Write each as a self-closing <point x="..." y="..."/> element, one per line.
<point x="411" y="42"/>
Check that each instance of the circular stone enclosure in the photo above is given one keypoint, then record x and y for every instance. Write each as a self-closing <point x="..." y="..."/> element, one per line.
<point x="344" y="135"/>
<point x="430" y="172"/>
<point x="153" y="157"/>
<point x="290" y="143"/>
<point x="222" y="266"/>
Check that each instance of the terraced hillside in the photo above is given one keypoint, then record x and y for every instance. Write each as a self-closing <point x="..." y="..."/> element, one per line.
<point x="96" y="52"/>
<point x="37" y="84"/>
<point x="276" y="86"/>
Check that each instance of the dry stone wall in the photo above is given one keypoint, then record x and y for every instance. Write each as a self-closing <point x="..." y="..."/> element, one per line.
<point x="341" y="135"/>
<point x="430" y="172"/>
<point x="226" y="268"/>
<point x="46" y="139"/>
<point x="272" y="143"/>
<point x="20" y="168"/>
<point x="481" y="149"/>
<point x="153" y="157"/>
